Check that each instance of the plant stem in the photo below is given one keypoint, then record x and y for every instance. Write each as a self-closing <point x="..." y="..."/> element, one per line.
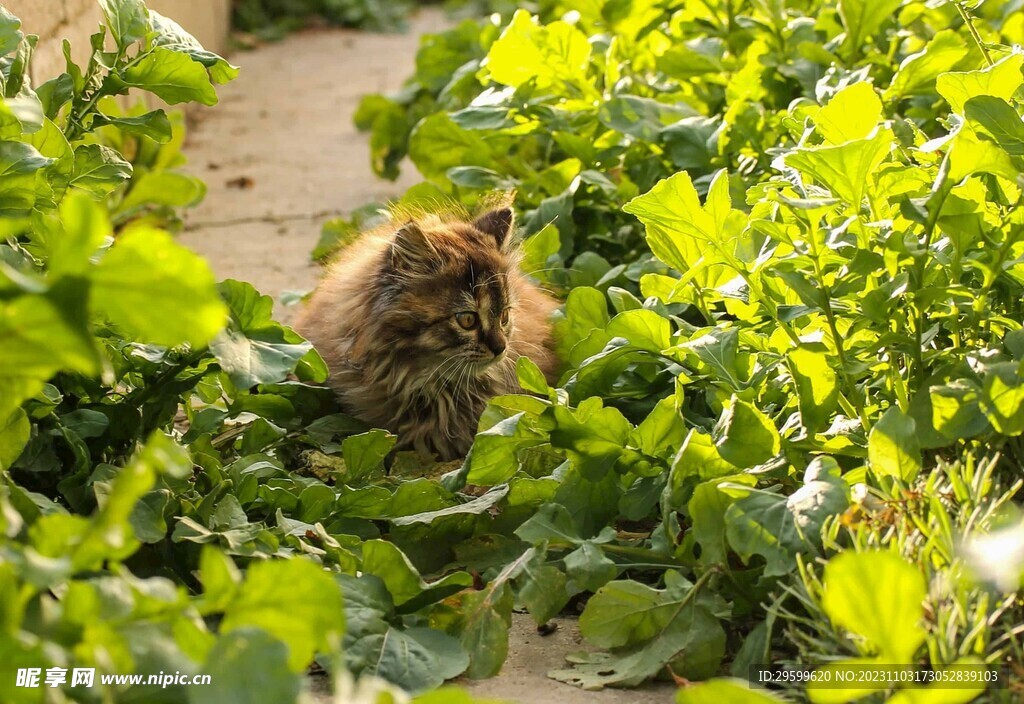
<point x="935" y="203"/>
<point x="966" y="17"/>
<point x="848" y="382"/>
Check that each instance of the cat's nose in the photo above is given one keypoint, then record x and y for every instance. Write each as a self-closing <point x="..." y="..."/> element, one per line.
<point x="497" y="347"/>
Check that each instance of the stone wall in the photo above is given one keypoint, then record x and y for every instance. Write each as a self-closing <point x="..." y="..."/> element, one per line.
<point x="75" y="20"/>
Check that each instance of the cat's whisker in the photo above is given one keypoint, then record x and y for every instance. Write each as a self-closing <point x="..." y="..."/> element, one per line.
<point x="454" y="373"/>
<point x="453" y="359"/>
<point x="530" y="346"/>
<point x="493" y="277"/>
<point x="549" y="268"/>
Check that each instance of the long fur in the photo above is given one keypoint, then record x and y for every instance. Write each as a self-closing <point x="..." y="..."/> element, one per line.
<point x="383" y="319"/>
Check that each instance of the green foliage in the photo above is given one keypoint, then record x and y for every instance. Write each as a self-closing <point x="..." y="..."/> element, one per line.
<point x="788" y="236"/>
<point x="147" y="416"/>
<point x="790" y="240"/>
<point x="271" y="19"/>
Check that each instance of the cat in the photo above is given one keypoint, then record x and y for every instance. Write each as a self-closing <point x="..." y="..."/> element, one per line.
<point x="422" y="323"/>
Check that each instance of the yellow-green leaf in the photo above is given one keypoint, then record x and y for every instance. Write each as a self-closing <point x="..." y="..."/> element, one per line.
<point x="157" y="290"/>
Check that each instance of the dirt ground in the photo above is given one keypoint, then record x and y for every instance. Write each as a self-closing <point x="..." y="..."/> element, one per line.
<point x="280" y="156"/>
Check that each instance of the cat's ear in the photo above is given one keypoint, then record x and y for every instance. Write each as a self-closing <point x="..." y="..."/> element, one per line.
<point x="410" y="249"/>
<point x="497" y="223"/>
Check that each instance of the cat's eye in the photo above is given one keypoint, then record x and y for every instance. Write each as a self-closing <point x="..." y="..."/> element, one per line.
<point x="506" y="318"/>
<point x="467" y="320"/>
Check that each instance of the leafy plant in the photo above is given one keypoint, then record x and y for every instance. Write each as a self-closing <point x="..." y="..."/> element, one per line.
<point x="273" y="18"/>
<point x="817" y="297"/>
<point x="788" y="236"/>
<point x="143" y="406"/>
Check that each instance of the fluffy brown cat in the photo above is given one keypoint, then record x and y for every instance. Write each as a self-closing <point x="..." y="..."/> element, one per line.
<point x="421" y="324"/>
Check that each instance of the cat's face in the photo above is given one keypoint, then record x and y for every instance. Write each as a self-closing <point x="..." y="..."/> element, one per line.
<point x="450" y="301"/>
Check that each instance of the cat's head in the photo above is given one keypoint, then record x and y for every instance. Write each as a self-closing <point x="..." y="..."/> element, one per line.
<point x="449" y="291"/>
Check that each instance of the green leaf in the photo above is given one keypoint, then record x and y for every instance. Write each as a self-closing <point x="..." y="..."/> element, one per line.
<point x="365" y="453"/>
<point x="473" y="507"/>
<point x="593" y="504"/>
<point x="247" y="665"/>
<point x="718" y="350"/>
<point x="678" y="227"/>
<point x="625" y="612"/>
<point x="707" y="510"/>
<point x="20" y="166"/>
<point x="542" y="590"/>
<point x="997" y="120"/>
<point x="1002" y="398"/>
<point x="52" y="143"/>
<point x="698" y="457"/>
<point x="254" y="349"/>
<point x="956" y="409"/>
<point x="157" y="290"/>
<point x="530" y="377"/>
<point x="586" y="310"/>
<point x="998" y="81"/>
<point x="163" y="188"/>
<point x="99" y="170"/>
<point x="845" y="169"/>
<point x="493" y="458"/>
<point x="643" y="328"/>
<point x="86" y="227"/>
<point x="386" y="561"/>
<point x="21" y="114"/>
<point x="851" y="114"/>
<point x="588" y="568"/>
<point x="39" y="336"/>
<point x="486" y="616"/>
<point x="153" y="125"/>
<point x="295" y="601"/>
<point x="592" y="436"/>
<point x="538" y="249"/>
<point x="778" y="527"/>
<point x="548" y="55"/>
<point x="878" y="596"/>
<point x="417" y="659"/>
<point x="128" y="20"/>
<point x="219" y="576"/>
<point x="437" y="144"/>
<point x="724" y="690"/>
<point x="55" y="93"/>
<point x="171" y="76"/>
<point x="669" y="626"/>
<point x="817" y="387"/>
<point x="551" y="522"/>
<point x="862" y="18"/>
<point x="110" y="534"/>
<point x="14" y="435"/>
<point x="642" y="118"/>
<point x="170" y="35"/>
<point x="662" y="429"/>
<point x="917" y="72"/>
<point x="745" y="436"/>
<point x="973" y="153"/>
<point x="10" y="33"/>
<point x="893" y="448"/>
<point x="86" y="423"/>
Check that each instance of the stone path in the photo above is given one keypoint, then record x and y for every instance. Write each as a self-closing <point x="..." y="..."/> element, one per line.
<point x="280" y="156"/>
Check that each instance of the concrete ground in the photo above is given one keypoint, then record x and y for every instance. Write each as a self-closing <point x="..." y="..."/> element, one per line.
<point x="280" y="156"/>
